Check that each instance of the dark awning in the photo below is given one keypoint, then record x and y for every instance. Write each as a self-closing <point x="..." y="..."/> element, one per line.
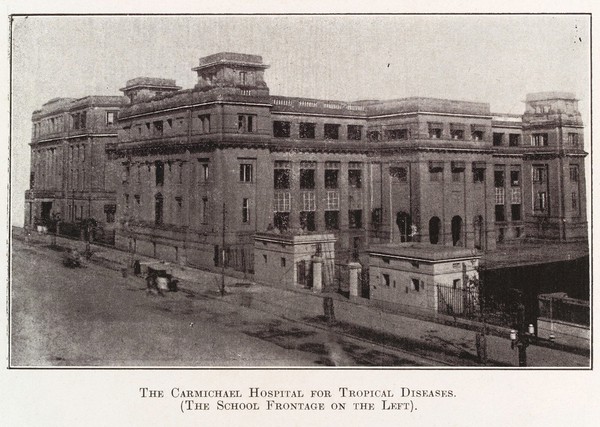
<point x="436" y="166"/>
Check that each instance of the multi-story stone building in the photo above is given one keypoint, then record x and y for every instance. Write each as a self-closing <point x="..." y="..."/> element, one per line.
<point x="70" y="176"/>
<point x="208" y="167"/>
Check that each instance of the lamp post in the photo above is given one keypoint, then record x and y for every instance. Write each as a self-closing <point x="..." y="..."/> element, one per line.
<point x="523" y="337"/>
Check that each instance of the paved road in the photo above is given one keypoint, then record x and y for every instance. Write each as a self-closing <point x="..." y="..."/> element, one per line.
<point x="95" y="317"/>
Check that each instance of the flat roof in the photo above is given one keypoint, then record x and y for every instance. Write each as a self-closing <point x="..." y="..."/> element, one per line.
<point x="423" y="252"/>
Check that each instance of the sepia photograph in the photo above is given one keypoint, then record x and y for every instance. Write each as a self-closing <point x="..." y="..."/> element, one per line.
<point x="317" y="191"/>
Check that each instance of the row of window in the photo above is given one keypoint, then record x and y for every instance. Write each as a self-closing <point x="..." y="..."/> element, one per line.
<point x="281" y="220"/>
<point x="282" y="175"/>
<point x="78" y="121"/>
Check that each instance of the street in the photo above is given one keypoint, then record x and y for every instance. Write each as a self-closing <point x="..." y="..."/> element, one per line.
<point x="93" y="316"/>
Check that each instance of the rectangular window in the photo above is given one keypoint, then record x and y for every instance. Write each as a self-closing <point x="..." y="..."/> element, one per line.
<point x="458" y="169"/>
<point x="498" y="179"/>
<point x="83" y="121"/>
<point x="478" y="174"/>
<point x="435" y="130"/>
<point x="477" y="135"/>
<point x="373" y="136"/>
<point x="158" y="210"/>
<point x="457" y="133"/>
<point x="307" y="221"/>
<point x="246" y="123"/>
<point x="331" y="174"/>
<point x="396" y="134"/>
<point x="415" y="285"/>
<point x="499" y="195"/>
<point x="386" y="280"/>
<point x="355" y="175"/>
<point x="307" y="130"/>
<point x="204" y="123"/>
<point x="539" y="139"/>
<point x="436" y="171"/>
<point x="159" y="172"/>
<point x="574" y="173"/>
<point x="515" y="178"/>
<point x="331" y="131"/>
<point x="573" y="139"/>
<point x="281" y="175"/>
<point x="497" y="139"/>
<point x="204" y="213"/>
<point x="515" y="195"/>
<point x="245" y="210"/>
<point x="514" y="140"/>
<point x="575" y="201"/>
<point x="332" y="220"/>
<point x="355" y="218"/>
<point x="282" y="202"/>
<point x="499" y="213"/>
<point x="281" y="129"/>
<point x="111" y="117"/>
<point x="539" y="174"/>
<point x="332" y="201"/>
<point x="399" y="173"/>
<point x="307" y="175"/>
<point x="157" y="127"/>
<point x="246" y="172"/>
<point x="355" y="132"/>
<point x="540" y="201"/>
<point x="515" y="212"/>
<point x="137" y="199"/>
<point x="281" y="220"/>
<point x="308" y="201"/>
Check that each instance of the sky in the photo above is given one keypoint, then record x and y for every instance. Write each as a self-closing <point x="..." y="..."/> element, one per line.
<point x="495" y="59"/>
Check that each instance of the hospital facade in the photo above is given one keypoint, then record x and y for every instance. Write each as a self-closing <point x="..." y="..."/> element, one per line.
<point x="194" y="174"/>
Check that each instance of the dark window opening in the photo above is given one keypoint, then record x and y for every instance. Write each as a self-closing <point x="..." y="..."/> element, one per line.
<point x="331" y="131"/>
<point x="515" y="178"/>
<point x="515" y="212"/>
<point x="498" y="178"/>
<point x="307" y="221"/>
<point x="374" y="136"/>
<point x="355" y="218"/>
<point x="396" y="134"/>
<point x="478" y="175"/>
<point x="331" y="178"/>
<point x="497" y="139"/>
<point x="307" y="130"/>
<point x="457" y="134"/>
<point x="245" y="172"/>
<point x="245" y="210"/>
<point x="282" y="179"/>
<point x="514" y="140"/>
<point x="539" y="139"/>
<point x="332" y="220"/>
<point x="435" y="226"/>
<point x="281" y="129"/>
<point x="477" y="135"/>
<point x="307" y="179"/>
<point x="31" y="180"/>
<point x="246" y="123"/>
<point x="355" y="178"/>
<point x="355" y="132"/>
<point x="574" y="173"/>
<point x="159" y="172"/>
<point x="435" y="131"/>
<point x="499" y="213"/>
<point x="158" y="127"/>
<point x="399" y="173"/>
<point x="539" y="174"/>
<point x="158" y="210"/>
<point x="376" y="217"/>
<point x="456" y="226"/>
<point x="404" y="223"/>
<point x="281" y="220"/>
<point x="415" y="285"/>
<point x="386" y="279"/>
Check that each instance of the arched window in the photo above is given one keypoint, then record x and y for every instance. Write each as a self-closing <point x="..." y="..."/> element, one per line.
<point x="158" y="209"/>
<point x="434" y="230"/>
<point x="457" y="231"/>
<point x="404" y="223"/>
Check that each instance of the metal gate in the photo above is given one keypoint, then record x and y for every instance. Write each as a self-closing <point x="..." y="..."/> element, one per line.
<point x="459" y="302"/>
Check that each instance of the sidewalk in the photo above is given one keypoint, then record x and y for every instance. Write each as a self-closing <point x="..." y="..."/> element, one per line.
<point x="354" y="317"/>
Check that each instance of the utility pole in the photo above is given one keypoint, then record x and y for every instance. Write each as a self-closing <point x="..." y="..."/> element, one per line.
<point x="222" y="289"/>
